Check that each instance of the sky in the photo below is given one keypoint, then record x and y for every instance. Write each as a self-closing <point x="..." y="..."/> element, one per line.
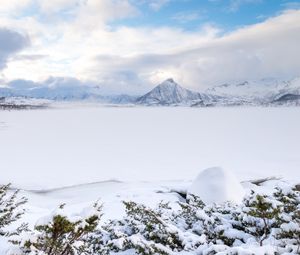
<point x="129" y="46"/>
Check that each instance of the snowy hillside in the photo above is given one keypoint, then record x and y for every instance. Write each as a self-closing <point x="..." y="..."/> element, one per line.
<point x="53" y="88"/>
<point x="22" y="103"/>
<point x="260" y="92"/>
<point x="254" y="89"/>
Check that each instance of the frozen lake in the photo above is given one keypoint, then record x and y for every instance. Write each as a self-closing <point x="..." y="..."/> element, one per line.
<point x="61" y="147"/>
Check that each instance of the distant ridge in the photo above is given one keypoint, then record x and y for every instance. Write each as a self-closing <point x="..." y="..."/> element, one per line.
<point x="264" y="92"/>
<point x="268" y="91"/>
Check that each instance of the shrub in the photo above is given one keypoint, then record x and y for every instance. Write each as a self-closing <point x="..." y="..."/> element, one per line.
<point x="290" y="218"/>
<point x="261" y="214"/>
<point x="61" y="235"/>
<point x="11" y="210"/>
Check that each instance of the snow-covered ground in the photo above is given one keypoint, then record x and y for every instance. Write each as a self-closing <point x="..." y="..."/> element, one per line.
<point x="66" y="146"/>
<point x="110" y="193"/>
<point x="78" y="198"/>
<point x="75" y="154"/>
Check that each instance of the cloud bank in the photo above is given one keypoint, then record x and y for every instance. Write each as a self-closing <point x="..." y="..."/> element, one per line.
<point x="80" y="39"/>
<point x="10" y="43"/>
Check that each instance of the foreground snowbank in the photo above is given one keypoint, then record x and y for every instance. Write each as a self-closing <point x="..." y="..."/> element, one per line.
<point x="176" y="225"/>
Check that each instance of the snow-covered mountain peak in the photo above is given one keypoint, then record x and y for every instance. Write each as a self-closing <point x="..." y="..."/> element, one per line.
<point x="169" y="80"/>
<point x="169" y="93"/>
<point x="168" y="84"/>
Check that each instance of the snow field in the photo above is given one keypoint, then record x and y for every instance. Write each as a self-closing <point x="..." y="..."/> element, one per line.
<point x="66" y="146"/>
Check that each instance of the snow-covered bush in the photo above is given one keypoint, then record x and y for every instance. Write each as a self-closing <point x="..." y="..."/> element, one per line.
<point x="258" y="225"/>
<point x="289" y="233"/>
<point x="11" y="210"/>
<point x="165" y="230"/>
<point x="260" y="215"/>
<point x="147" y="231"/>
<point x="204" y="221"/>
<point x="63" y="235"/>
<point x="264" y="223"/>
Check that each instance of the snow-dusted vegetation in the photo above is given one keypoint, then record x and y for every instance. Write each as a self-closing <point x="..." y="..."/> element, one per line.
<point x="266" y="221"/>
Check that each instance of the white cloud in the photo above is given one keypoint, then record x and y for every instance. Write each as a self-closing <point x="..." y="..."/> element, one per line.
<point x="157" y="4"/>
<point x="13" y="5"/>
<point x="291" y="5"/>
<point x="53" y="6"/>
<point x="93" y="14"/>
<point x="236" y="4"/>
<point x="268" y="49"/>
<point x="184" y="17"/>
<point x="131" y="59"/>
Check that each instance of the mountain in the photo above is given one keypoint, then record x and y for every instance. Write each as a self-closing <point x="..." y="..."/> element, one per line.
<point x="170" y="93"/>
<point x="54" y="88"/>
<point x="259" y="92"/>
<point x="289" y="95"/>
<point x="264" y="92"/>
<point x="250" y="90"/>
<point x="61" y="89"/>
<point x="120" y="99"/>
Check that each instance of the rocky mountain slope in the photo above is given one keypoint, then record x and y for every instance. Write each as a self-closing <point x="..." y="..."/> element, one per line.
<point x="170" y="93"/>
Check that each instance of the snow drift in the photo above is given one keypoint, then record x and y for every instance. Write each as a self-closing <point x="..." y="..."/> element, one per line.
<point x="216" y="185"/>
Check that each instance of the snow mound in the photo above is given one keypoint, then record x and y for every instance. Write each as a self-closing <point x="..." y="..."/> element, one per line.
<point x="215" y="185"/>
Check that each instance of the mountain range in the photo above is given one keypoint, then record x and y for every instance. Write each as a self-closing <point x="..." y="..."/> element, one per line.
<point x="168" y="93"/>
